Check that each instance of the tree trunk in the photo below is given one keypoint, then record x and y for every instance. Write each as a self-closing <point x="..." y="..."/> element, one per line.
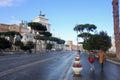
<point x="116" y="26"/>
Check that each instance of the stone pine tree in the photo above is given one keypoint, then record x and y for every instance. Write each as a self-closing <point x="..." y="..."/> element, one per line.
<point x="37" y="27"/>
<point x="116" y="26"/>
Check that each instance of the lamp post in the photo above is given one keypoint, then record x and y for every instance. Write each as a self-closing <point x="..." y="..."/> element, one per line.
<point x="77" y="40"/>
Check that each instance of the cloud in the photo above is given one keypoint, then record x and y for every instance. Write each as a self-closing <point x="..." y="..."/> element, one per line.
<point x="12" y="17"/>
<point x="7" y="3"/>
<point x="14" y="22"/>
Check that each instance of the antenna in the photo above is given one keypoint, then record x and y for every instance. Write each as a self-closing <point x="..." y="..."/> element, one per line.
<point x="40" y="13"/>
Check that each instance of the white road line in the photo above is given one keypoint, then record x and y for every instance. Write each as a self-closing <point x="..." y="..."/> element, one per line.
<point x="25" y="66"/>
<point x="64" y="75"/>
<point x="13" y="58"/>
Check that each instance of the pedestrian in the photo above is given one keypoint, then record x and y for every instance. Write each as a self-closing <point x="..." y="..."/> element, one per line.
<point x="91" y="59"/>
<point x="30" y="51"/>
<point x="101" y="57"/>
<point x="78" y="51"/>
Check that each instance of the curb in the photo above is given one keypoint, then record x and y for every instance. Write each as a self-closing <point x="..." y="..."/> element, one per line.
<point x="118" y="63"/>
<point x="113" y="61"/>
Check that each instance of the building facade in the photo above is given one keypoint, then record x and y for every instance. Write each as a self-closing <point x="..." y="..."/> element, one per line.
<point x="43" y="20"/>
<point x="112" y="49"/>
<point x="12" y="27"/>
<point x="4" y="27"/>
<point x="71" y="46"/>
<point x="15" y="27"/>
<point x="28" y="35"/>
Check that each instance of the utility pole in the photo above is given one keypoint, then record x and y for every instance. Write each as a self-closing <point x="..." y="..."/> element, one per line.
<point x="77" y="40"/>
<point x="116" y="26"/>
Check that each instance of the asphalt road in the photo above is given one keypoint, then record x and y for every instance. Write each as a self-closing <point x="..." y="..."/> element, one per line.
<point x="47" y="66"/>
<point x="111" y="71"/>
<point x="54" y="66"/>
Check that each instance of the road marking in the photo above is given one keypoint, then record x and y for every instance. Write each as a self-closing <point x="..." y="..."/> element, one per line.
<point x="25" y="66"/>
<point x="13" y="58"/>
<point x="65" y="74"/>
<point x="18" y="57"/>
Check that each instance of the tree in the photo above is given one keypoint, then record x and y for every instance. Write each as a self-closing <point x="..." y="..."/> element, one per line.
<point x="85" y="30"/>
<point x="49" y="46"/>
<point x="37" y="27"/>
<point x="85" y="35"/>
<point x="97" y="42"/>
<point x="4" y="43"/>
<point x="28" y="46"/>
<point x="45" y="33"/>
<point x="82" y="27"/>
<point x="53" y="39"/>
<point x="10" y="34"/>
<point x="46" y="36"/>
<point x="18" y="44"/>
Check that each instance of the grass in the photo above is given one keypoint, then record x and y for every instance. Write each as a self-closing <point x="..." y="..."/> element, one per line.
<point x="114" y="59"/>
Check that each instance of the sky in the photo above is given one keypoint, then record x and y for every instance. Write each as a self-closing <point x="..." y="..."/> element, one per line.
<point x="63" y="15"/>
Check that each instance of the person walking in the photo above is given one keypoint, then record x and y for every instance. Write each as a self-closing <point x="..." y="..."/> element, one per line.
<point x="91" y="59"/>
<point x="101" y="57"/>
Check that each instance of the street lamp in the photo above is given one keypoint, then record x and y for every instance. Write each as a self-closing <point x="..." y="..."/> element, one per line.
<point x="76" y="28"/>
<point x="77" y="40"/>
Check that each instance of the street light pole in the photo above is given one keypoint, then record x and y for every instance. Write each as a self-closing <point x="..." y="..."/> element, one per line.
<point x="77" y="40"/>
